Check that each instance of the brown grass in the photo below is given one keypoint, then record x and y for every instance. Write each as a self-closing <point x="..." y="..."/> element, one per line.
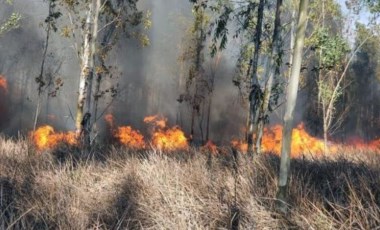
<point x="118" y="189"/>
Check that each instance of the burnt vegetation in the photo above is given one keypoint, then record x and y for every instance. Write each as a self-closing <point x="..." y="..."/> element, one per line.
<point x="200" y="114"/>
<point x="124" y="189"/>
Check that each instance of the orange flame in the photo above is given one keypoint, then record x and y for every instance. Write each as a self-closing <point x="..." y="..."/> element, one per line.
<point x="129" y="137"/>
<point x="374" y="145"/>
<point x="46" y="138"/>
<point x="156" y="120"/>
<point x="165" y="138"/>
<point x="3" y="83"/>
<point x="109" y="119"/>
<point x="210" y="147"/>
<point x="240" y="145"/>
<point x="358" y="143"/>
<point x="303" y="142"/>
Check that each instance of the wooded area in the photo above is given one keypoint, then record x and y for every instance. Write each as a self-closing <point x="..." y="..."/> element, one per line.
<point x="226" y="79"/>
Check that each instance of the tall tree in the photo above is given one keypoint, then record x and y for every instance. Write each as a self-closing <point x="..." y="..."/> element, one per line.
<point x="272" y="70"/>
<point x="87" y="69"/>
<point x="106" y="19"/>
<point x="291" y="97"/>
<point x="254" y="24"/>
<point x="42" y="83"/>
<point x="255" y="94"/>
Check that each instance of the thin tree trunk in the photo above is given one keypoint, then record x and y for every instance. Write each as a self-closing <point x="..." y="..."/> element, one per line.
<point x="290" y="105"/>
<point x="198" y="66"/>
<point x="40" y="79"/>
<point x="86" y="71"/>
<point x="99" y="75"/>
<point x="328" y="106"/>
<point x="255" y="90"/>
<point x="271" y="72"/>
<point x="208" y="118"/>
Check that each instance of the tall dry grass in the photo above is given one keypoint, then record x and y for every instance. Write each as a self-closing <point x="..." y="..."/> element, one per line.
<point x="118" y="189"/>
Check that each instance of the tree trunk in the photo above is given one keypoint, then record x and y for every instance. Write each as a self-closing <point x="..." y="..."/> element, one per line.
<point x="271" y="72"/>
<point x="208" y="118"/>
<point x="99" y="75"/>
<point x="255" y="91"/>
<point x="40" y="79"/>
<point x="290" y="105"/>
<point x="196" y="103"/>
<point x="86" y="72"/>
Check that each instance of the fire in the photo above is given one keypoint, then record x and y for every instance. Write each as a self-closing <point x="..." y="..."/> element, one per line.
<point x="109" y="119"/>
<point x="3" y="83"/>
<point x="46" y="138"/>
<point x="156" y="120"/>
<point x="129" y="137"/>
<point x="303" y="143"/>
<point x="240" y="145"/>
<point x="358" y="143"/>
<point x="165" y="138"/>
<point x="210" y="147"/>
<point x="375" y="144"/>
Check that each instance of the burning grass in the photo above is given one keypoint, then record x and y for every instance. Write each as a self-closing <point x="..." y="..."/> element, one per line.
<point x="46" y="138"/>
<point x="124" y="189"/>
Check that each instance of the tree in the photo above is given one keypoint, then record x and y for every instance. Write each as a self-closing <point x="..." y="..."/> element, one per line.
<point x="104" y="21"/>
<point x="253" y="26"/>
<point x="43" y="84"/>
<point x="196" y="82"/>
<point x="291" y="97"/>
<point x="364" y="75"/>
<point x="272" y="70"/>
<point x="255" y="94"/>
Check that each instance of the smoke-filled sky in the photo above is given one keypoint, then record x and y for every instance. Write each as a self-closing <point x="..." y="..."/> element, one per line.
<point x="148" y="77"/>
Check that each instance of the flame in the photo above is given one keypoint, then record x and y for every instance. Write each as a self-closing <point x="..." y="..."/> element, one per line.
<point x="3" y="83"/>
<point x="375" y="145"/>
<point x="210" y="147"/>
<point x="46" y="138"/>
<point x="109" y="119"/>
<point x="240" y="145"/>
<point x="303" y="143"/>
<point x="129" y="137"/>
<point x="156" y="120"/>
<point x="359" y="143"/>
<point x="165" y="138"/>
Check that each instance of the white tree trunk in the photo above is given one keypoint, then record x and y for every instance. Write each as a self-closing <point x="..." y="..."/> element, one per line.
<point x="86" y="68"/>
<point x="290" y="105"/>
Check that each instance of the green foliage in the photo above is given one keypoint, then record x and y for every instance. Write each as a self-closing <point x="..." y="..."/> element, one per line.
<point x="11" y="23"/>
<point x="221" y="30"/>
<point x="374" y="5"/>
<point x="327" y="92"/>
<point x="333" y="48"/>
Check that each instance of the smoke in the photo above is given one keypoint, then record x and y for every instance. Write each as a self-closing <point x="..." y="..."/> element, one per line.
<point x="147" y="77"/>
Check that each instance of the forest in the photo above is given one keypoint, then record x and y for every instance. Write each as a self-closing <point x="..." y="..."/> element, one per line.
<point x="192" y="114"/>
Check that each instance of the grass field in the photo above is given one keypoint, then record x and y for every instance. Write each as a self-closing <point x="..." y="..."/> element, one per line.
<point x="115" y="188"/>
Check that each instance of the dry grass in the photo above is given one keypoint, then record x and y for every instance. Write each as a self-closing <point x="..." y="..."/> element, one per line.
<point x="117" y="189"/>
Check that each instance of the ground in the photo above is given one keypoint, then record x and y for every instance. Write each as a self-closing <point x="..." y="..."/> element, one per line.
<point x="116" y="188"/>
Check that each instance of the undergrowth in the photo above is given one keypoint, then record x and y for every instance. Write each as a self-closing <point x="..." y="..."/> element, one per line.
<point x="116" y="188"/>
